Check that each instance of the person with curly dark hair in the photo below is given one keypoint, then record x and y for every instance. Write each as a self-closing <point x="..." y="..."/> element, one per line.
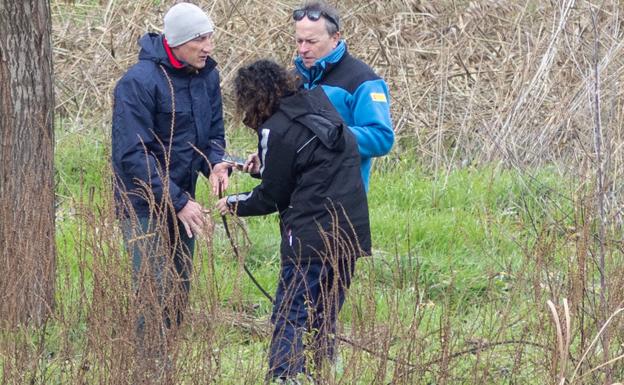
<point x="259" y="88"/>
<point x="309" y="167"/>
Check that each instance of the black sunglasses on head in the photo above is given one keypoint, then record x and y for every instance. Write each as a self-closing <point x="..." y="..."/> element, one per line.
<point x="313" y="15"/>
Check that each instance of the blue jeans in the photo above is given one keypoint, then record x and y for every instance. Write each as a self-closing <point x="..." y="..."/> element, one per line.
<point x="162" y="262"/>
<point x="307" y="301"/>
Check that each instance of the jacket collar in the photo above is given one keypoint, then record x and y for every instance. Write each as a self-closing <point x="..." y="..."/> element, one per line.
<point x="322" y="66"/>
<point x="172" y="59"/>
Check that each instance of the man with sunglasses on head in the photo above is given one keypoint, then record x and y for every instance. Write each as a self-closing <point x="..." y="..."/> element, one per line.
<point x="356" y="91"/>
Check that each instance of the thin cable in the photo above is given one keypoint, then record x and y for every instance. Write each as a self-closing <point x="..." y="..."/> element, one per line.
<point x="237" y="253"/>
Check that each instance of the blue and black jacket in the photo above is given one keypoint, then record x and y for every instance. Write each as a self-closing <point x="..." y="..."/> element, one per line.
<point x="152" y="163"/>
<point x="360" y="96"/>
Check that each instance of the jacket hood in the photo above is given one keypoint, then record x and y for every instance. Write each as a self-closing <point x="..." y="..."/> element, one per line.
<point x="152" y="48"/>
<point x="314" y="110"/>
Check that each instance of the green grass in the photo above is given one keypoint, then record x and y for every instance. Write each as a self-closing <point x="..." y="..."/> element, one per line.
<point x="446" y="246"/>
<point x="459" y="235"/>
<point x="459" y="226"/>
<point x="81" y="164"/>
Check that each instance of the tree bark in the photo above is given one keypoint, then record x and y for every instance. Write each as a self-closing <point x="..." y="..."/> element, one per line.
<point x="27" y="264"/>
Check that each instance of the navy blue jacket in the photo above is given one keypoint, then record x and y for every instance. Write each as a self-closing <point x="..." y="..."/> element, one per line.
<point x="311" y="175"/>
<point x="360" y="96"/>
<point x="152" y="163"/>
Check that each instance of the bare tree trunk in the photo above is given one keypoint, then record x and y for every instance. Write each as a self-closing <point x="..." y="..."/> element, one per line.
<point x="27" y="262"/>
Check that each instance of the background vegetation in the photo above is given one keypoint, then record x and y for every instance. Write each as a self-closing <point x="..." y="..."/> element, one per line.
<point x="496" y="219"/>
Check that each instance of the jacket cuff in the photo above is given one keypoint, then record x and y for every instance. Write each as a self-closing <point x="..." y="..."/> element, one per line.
<point x="179" y="204"/>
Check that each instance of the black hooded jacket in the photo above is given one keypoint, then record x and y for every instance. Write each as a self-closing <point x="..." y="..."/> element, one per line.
<point x="311" y="175"/>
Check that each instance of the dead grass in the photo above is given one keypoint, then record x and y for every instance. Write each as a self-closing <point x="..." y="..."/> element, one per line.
<point x="470" y="81"/>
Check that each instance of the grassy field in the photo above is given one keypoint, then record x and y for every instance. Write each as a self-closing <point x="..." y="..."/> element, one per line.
<point x="464" y="261"/>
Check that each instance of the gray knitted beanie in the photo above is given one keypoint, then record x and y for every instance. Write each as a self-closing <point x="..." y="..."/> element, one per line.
<point x="184" y="22"/>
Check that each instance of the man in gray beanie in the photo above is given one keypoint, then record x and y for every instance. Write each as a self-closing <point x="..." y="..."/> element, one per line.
<point x="187" y="23"/>
<point x="167" y="128"/>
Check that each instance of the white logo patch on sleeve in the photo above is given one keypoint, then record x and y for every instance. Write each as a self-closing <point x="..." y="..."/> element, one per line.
<point x="378" y="97"/>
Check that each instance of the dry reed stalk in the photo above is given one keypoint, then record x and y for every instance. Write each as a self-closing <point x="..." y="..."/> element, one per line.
<point x="591" y="346"/>
<point x="563" y="337"/>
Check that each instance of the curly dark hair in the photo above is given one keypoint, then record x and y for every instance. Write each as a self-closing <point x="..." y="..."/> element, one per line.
<point x="259" y="87"/>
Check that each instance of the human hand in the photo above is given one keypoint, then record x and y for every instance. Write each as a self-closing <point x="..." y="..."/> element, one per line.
<point x="219" y="176"/>
<point x="192" y="217"/>
<point x="252" y="164"/>
<point x="223" y="207"/>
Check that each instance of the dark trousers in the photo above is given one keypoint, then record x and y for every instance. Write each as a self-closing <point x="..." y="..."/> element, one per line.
<point x="307" y="302"/>
<point x="162" y="262"/>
